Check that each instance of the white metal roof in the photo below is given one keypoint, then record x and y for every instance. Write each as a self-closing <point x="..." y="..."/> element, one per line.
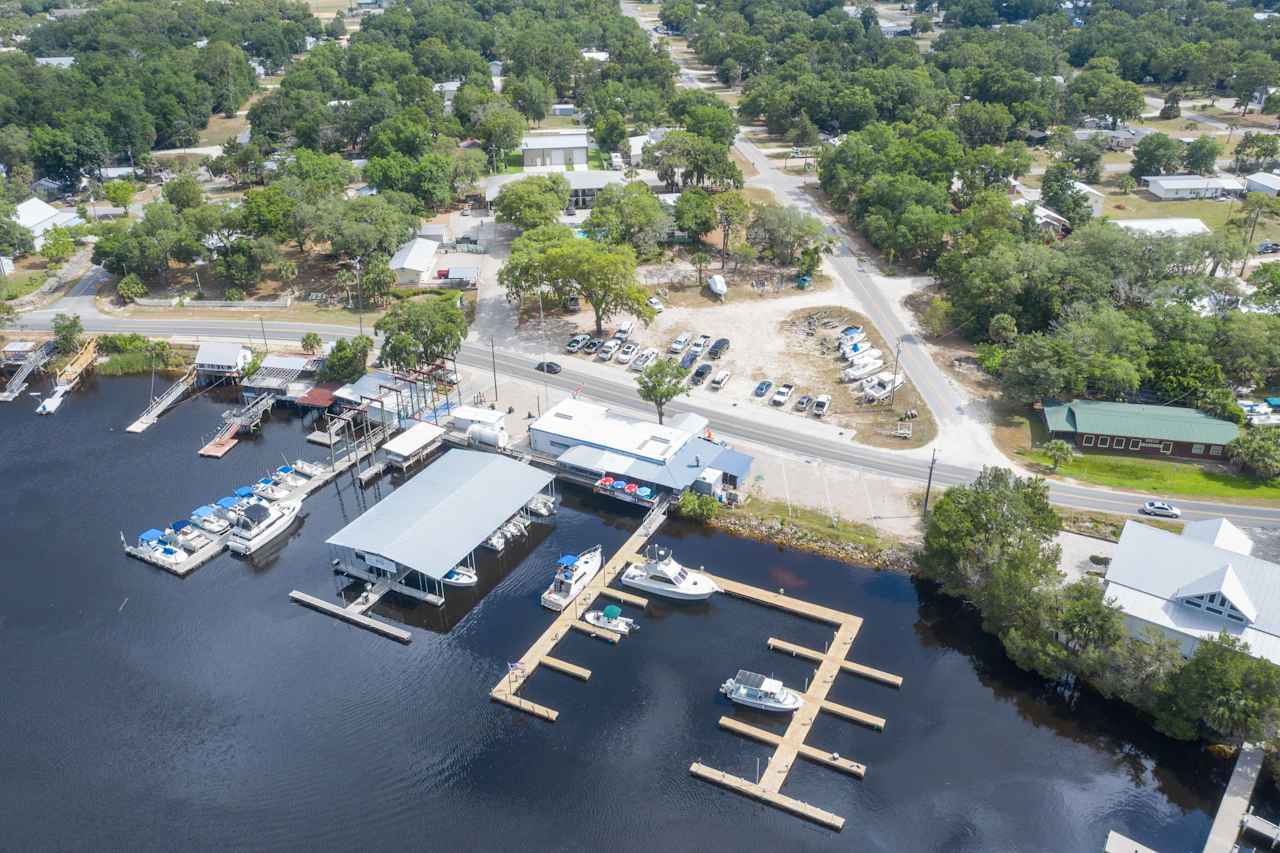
<point x="1194" y="181"/>
<point x="444" y="512"/>
<point x="219" y="354"/>
<point x="477" y="415"/>
<point x="1267" y="180"/>
<point x="418" y="255"/>
<point x="413" y="439"/>
<point x="1174" y="226"/>
<point x="1086" y="189"/>
<point x="554" y="140"/>
<point x="33" y="213"/>
<point x="1219" y="532"/>
<point x="583" y="422"/>
<point x="1152" y="569"/>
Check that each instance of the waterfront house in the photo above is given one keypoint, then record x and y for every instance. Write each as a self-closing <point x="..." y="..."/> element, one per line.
<point x="215" y="361"/>
<point x="1140" y="430"/>
<point x="1195" y="585"/>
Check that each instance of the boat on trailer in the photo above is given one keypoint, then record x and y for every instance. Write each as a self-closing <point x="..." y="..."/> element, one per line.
<point x="755" y="691"/>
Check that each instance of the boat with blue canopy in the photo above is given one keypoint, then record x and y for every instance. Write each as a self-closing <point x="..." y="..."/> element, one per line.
<point x="208" y="518"/>
<point x="267" y="488"/>
<point x="153" y="542"/>
<point x="572" y="575"/>
<point x="187" y="535"/>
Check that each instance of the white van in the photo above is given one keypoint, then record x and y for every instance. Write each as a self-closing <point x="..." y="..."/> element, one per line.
<point x="678" y="345"/>
<point x="625" y="328"/>
<point x="721" y="379"/>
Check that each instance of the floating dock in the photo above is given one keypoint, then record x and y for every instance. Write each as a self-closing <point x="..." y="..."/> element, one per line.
<point x="355" y="612"/>
<point x="34" y="361"/>
<point x="194" y="561"/>
<point x="539" y="653"/>
<point x="235" y="421"/>
<point x="161" y="404"/>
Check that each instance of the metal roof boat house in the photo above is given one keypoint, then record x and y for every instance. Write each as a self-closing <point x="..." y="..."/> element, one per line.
<point x="1196" y="585"/>
<point x="435" y="521"/>
<point x="633" y="460"/>
<point x="1139" y="429"/>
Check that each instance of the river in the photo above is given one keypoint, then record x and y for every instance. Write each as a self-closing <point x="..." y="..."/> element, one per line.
<point x="146" y="712"/>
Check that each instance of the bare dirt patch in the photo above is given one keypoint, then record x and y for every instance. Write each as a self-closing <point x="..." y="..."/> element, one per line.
<point x="954" y="354"/>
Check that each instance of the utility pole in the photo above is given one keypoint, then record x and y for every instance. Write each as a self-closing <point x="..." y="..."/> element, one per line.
<point x="263" y="326"/>
<point x="493" y="355"/>
<point x="929" y="483"/>
<point x="893" y="390"/>
<point x="542" y="329"/>
<point x="359" y="297"/>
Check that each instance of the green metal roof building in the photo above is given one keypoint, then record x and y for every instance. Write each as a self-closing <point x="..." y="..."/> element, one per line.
<point x="1139" y="429"/>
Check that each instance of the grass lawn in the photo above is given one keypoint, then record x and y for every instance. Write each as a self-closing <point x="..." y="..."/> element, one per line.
<point x="222" y="129"/>
<point x="1106" y="525"/>
<point x="595" y="159"/>
<point x="1142" y="205"/>
<point x="559" y="123"/>
<point x="1157" y="477"/>
<point x="20" y="284"/>
<point x="814" y="522"/>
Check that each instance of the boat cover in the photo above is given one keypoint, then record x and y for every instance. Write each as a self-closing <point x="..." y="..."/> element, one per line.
<point x="244" y="492"/>
<point x="151" y="535"/>
<point x="613" y="611"/>
<point x="749" y="679"/>
<point x="285" y="469"/>
<point x="180" y="524"/>
<point x="567" y="560"/>
<point x="257" y="513"/>
<point x="265" y="481"/>
<point x="228" y="503"/>
<point x="201" y="511"/>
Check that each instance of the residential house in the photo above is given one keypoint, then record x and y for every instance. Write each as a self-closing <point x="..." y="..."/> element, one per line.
<point x="1168" y="226"/>
<point x="560" y="149"/>
<point x="217" y="361"/>
<point x="1173" y="187"/>
<point x="447" y="90"/>
<point x="634" y="150"/>
<point x="1119" y="139"/>
<point x="413" y="262"/>
<point x="583" y="186"/>
<point x="56" y="61"/>
<point x="564" y="110"/>
<point x="40" y="217"/>
<point x="1140" y="430"/>
<point x="1196" y="586"/>
<point x="1262" y="182"/>
<point x="1096" y="199"/>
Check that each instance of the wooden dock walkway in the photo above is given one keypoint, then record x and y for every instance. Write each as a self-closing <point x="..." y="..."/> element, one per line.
<point x="197" y="559"/>
<point x="781" y="601"/>
<point x="773" y="798"/>
<point x="356" y="612"/>
<point x="830" y="759"/>
<point x="847" y="665"/>
<point x="161" y="404"/>
<point x="570" y="620"/>
<point x="1235" y="800"/>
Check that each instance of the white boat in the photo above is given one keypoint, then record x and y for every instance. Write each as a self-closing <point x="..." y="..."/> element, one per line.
<point x="852" y="338"/>
<point x="850" y="353"/>
<point x="267" y="488"/>
<point x="153" y="543"/>
<point x="611" y="618"/>
<point x="515" y="527"/>
<point x="716" y="284"/>
<point x="460" y="576"/>
<point x="209" y="519"/>
<point x="308" y="469"/>
<point x="50" y="404"/>
<point x="543" y="505"/>
<point x="884" y="376"/>
<point x="187" y="535"/>
<point x="755" y="691"/>
<point x="572" y="575"/>
<point x="661" y="575"/>
<point x="883" y="389"/>
<point x="286" y="476"/>
<point x="259" y="523"/>
<point x="497" y="541"/>
<point x="861" y="370"/>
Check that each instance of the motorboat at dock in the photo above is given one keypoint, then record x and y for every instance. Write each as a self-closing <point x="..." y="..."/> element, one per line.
<point x="572" y="575"/>
<point x="611" y="618"/>
<point x="496" y="541"/>
<point x="755" y="691"/>
<point x="269" y="489"/>
<point x="661" y="575"/>
<point x="153" y="545"/>
<point x="209" y="519"/>
<point x="187" y="535"/>
<point x="259" y="523"/>
<point x="309" y="469"/>
<point x="541" y="505"/>
<point x="287" y="477"/>
<point x="460" y="576"/>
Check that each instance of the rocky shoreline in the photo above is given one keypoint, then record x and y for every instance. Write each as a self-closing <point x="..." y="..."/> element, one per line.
<point x="894" y="557"/>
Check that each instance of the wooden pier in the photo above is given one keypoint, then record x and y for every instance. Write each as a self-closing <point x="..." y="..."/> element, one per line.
<point x="506" y="690"/>
<point x="356" y="612"/>
<point x="161" y="404"/>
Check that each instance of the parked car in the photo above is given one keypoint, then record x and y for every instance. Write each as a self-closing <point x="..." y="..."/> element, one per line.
<point x="656" y="304"/>
<point x="687" y="360"/>
<point x="467" y="240"/>
<point x="592" y="345"/>
<point x="1267" y="247"/>
<point x="719" y="348"/>
<point x="763" y="387"/>
<point x="608" y="349"/>
<point x="822" y="405"/>
<point x="700" y="375"/>
<point x="547" y="367"/>
<point x="679" y="344"/>
<point x="721" y="379"/>
<point x="1161" y="509"/>
<point x="624" y="329"/>
<point x="576" y="342"/>
<point x="782" y="394"/>
<point x="573" y="303"/>
<point x="644" y="359"/>
<point x="445" y="376"/>
<point x="627" y="353"/>
<point x="802" y="405"/>
<point x="701" y="344"/>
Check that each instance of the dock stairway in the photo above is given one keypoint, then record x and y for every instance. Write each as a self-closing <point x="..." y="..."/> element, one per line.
<point x="234" y="421"/>
<point x="18" y="382"/>
<point x="159" y="405"/>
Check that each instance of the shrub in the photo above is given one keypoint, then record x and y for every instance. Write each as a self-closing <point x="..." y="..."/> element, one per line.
<point x="991" y="358"/>
<point x="696" y="507"/>
<point x="235" y="294"/>
<point x="131" y="342"/>
<point x="131" y="288"/>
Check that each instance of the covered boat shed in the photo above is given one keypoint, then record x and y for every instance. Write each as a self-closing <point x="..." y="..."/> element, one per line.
<point x="435" y="520"/>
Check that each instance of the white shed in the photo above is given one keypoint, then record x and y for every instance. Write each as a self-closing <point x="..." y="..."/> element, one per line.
<point x="1262" y="182"/>
<point x="413" y="262"/>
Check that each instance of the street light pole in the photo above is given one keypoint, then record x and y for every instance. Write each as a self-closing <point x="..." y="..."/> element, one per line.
<point x="263" y="326"/>
<point x="893" y="389"/>
<point x="928" y="486"/>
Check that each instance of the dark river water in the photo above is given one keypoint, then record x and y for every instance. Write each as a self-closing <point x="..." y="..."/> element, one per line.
<point x="140" y="711"/>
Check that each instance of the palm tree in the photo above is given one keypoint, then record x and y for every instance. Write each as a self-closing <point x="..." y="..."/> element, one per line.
<point x="700" y="260"/>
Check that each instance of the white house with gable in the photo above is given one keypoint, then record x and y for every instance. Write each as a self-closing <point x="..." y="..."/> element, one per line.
<point x="39" y="217"/>
<point x="1195" y="585"/>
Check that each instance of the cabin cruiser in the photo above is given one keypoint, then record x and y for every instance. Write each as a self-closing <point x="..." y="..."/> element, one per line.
<point x="861" y="369"/>
<point x="571" y="577"/>
<point x="612" y="619"/>
<point x="267" y="488"/>
<point x="286" y="476"/>
<point x="460" y="576"/>
<point x="210" y="520"/>
<point x="661" y="575"/>
<point x="496" y="541"/>
<point x="755" y="691"/>
<point x="516" y="527"/>
<point x="542" y="505"/>
<point x="308" y="469"/>
<point x="153" y="543"/>
<point x="259" y="523"/>
<point x="186" y="534"/>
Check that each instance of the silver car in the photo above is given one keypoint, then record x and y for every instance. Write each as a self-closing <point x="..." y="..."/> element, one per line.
<point x="1160" y="509"/>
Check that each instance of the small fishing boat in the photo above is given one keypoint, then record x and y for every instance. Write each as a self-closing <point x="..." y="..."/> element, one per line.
<point x="267" y="488"/>
<point x="543" y="505"/>
<point x="612" y="619"/>
<point x="259" y="523"/>
<point x="153" y="543"/>
<point x="460" y="576"/>
<point x="661" y="575"/>
<point x="308" y="469"/>
<point x="572" y="575"/>
<point x="497" y="541"/>
<point x="286" y="476"/>
<point x="187" y="535"/>
<point x="515" y="527"/>
<point x="209" y="519"/>
<point x="755" y="691"/>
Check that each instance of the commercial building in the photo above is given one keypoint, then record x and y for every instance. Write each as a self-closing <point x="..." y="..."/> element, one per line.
<point x="413" y="445"/>
<point x="435" y="520"/>
<point x="1196" y="585"/>
<point x="414" y="261"/>
<point x="1173" y="187"/>
<point x="555" y="149"/>
<point x="1139" y="429"/>
<point x="602" y="449"/>
<point x="1262" y="182"/>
